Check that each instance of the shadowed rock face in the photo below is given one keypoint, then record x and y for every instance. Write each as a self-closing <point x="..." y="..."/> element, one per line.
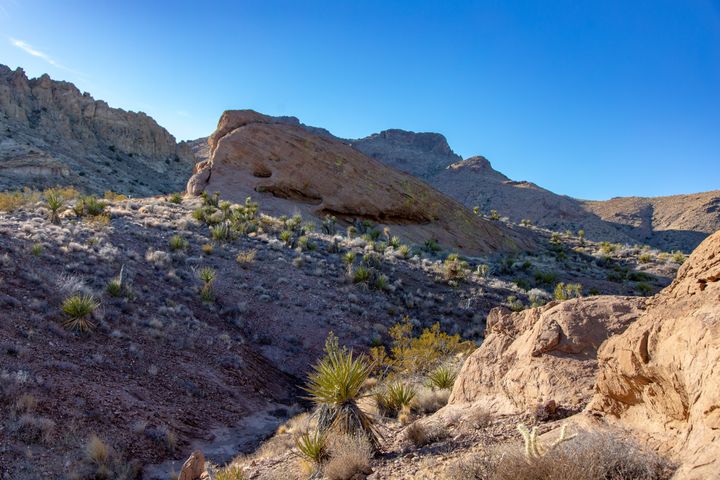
<point x="288" y="168"/>
<point x="51" y="134"/>
<point x="661" y="377"/>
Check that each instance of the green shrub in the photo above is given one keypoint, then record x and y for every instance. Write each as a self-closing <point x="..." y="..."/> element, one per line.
<point x="645" y="258"/>
<point x="349" y="258"/>
<point x="55" y="202"/>
<point x="285" y="236"/>
<point x="37" y="249"/>
<point x="175" y="198"/>
<point x="678" y="257"/>
<point x="515" y="304"/>
<point x="455" y="268"/>
<point x="494" y="215"/>
<point x="432" y="246"/>
<point x="361" y="274"/>
<point x="114" y="288"/>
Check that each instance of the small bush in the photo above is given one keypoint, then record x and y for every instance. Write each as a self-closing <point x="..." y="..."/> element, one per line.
<point x="54" y="201"/>
<point x="432" y="246"/>
<point x="114" y="288"/>
<point x="207" y="248"/>
<point x="246" y="257"/>
<point x="36" y="250"/>
<point x="645" y="258"/>
<point x="494" y="215"/>
<point x="349" y="456"/>
<point x="361" y="274"/>
<point x="175" y="198"/>
<point x="230" y="472"/>
<point x="78" y="308"/>
<point x="454" y="268"/>
<point x="678" y="257"/>
<point x="420" y="435"/>
<point x="515" y="304"/>
<point x="32" y="429"/>
<point x="97" y="451"/>
<point x="429" y="400"/>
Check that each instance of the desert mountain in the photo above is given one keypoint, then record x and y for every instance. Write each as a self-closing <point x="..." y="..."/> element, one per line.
<point x="52" y="134"/>
<point x="289" y="168"/>
<point x="676" y="222"/>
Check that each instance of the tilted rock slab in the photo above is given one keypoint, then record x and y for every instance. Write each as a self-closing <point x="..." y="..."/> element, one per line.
<point x="661" y="377"/>
<point x="541" y="355"/>
<point x="289" y="169"/>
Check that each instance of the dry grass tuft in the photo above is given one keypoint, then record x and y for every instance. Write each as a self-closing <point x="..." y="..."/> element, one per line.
<point x="349" y="456"/>
<point x="590" y="456"/>
<point x="420" y="434"/>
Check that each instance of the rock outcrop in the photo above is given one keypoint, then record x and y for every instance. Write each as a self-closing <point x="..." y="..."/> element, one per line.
<point x="421" y="154"/>
<point x="542" y="355"/>
<point x="288" y="168"/>
<point x="661" y="377"/>
<point x="52" y="134"/>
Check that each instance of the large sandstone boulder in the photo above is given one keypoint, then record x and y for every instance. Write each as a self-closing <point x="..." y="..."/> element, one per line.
<point x="288" y="169"/>
<point x="661" y="377"/>
<point x="542" y="355"/>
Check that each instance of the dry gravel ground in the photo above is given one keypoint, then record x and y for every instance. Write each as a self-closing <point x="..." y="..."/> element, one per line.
<point x="165" y="371"/>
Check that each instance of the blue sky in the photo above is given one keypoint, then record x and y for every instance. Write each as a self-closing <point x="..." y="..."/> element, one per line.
<point x="592" y="99"/>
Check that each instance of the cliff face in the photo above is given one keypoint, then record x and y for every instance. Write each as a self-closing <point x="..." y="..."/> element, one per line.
<point x="52" y="134"/>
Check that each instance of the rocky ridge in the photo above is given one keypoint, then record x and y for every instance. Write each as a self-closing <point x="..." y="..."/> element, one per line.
<point x="52" y="134"/>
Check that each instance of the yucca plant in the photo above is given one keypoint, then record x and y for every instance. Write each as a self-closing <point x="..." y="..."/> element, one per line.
<point x="177" y="242"/>
<point x="442" y="378"/>
<point x="54" y="201"/>
<point x="77" y="309"/>
<point x="114" y="288"/>
<point x="360" y="274"/>
<point x="221" y="232"/>
<point x="313" y="447"/>
<point x="207" y="275"/>
<point x="395" y="397"/>
<point x="285" y="236"/>
<point x="334" y="386"/>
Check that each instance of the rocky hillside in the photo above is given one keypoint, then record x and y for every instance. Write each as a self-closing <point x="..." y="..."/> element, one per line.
<point x="289" y="168"/>
<point x="671" y="223"/>
<point x="52" y="134"/>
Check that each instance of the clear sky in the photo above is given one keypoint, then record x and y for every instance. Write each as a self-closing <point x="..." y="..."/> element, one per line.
<point x="592" y="99"/>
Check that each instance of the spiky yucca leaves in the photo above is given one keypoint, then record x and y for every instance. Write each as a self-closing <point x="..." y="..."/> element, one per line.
<point x="442" y="378"/>
<point x="394" y="398"/>
<point x="334" y="386"/>
<point x="313" y="446"/>
<point x="77" y="309"/>
<point x="55" y="201"/>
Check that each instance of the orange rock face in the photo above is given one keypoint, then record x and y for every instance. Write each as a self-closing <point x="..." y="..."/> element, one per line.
<point x="288" y="169"/>
<point x="541" y="355"/>
<point x="661" y="377"/>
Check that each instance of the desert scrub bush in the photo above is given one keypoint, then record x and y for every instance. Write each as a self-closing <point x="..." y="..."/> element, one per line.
<point x="645" y="258"/>
<point x="349" y="456"/>
<point x="207" y="248"/>
<point x="77" y="309"/>
<point x="10" y="201"/>
<point x="420" y="434"/>
<point x="54" y="201"/>
<point x="32" y="429"/>
<point x="286" y="237"/>
<point x="678" y="257"/>
<point x="454" y="268"/>
<point x="494" y="215"/>
<point x="305" y="244"/>
<point x="246" y="257"/>
<point x="381" y="282"/>
<point x="643" y="288"/>
<point x="335" y="386"/>
<point x="418" y="355"/>
<point x="114" y="288"/>
<point x="442" y="378"/>
<point x="89" y="206"/>
<point x="482" y="270"/>
<point x="175" y="198"/>
<point x="229" y="472"/>
<point x="544" y="278"/>
<point x="607" y="248"/>
<point x="404" y="251"/>
<point x="428" y="400"/>
<point x="177" y="242"/>
<point x="207" y="276"/>
<point x="348" y="258"/>
<point x="394" y="398"/>
<point x="431" y="246"/>
<point x="515" y="304"/>
<point x="566" y="291"/>
<point x="210" y="200"/>
<point x="590" y="456"/>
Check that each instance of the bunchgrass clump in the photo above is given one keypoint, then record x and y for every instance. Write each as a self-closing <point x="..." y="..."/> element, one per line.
<point x="246" y="257"/>
<point x="37" y="249"/>
<point x="361" y="274"/>
<point x="77" y="309"/>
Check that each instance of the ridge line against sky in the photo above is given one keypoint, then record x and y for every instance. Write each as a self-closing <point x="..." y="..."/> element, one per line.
<point x="592" y="101"/>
